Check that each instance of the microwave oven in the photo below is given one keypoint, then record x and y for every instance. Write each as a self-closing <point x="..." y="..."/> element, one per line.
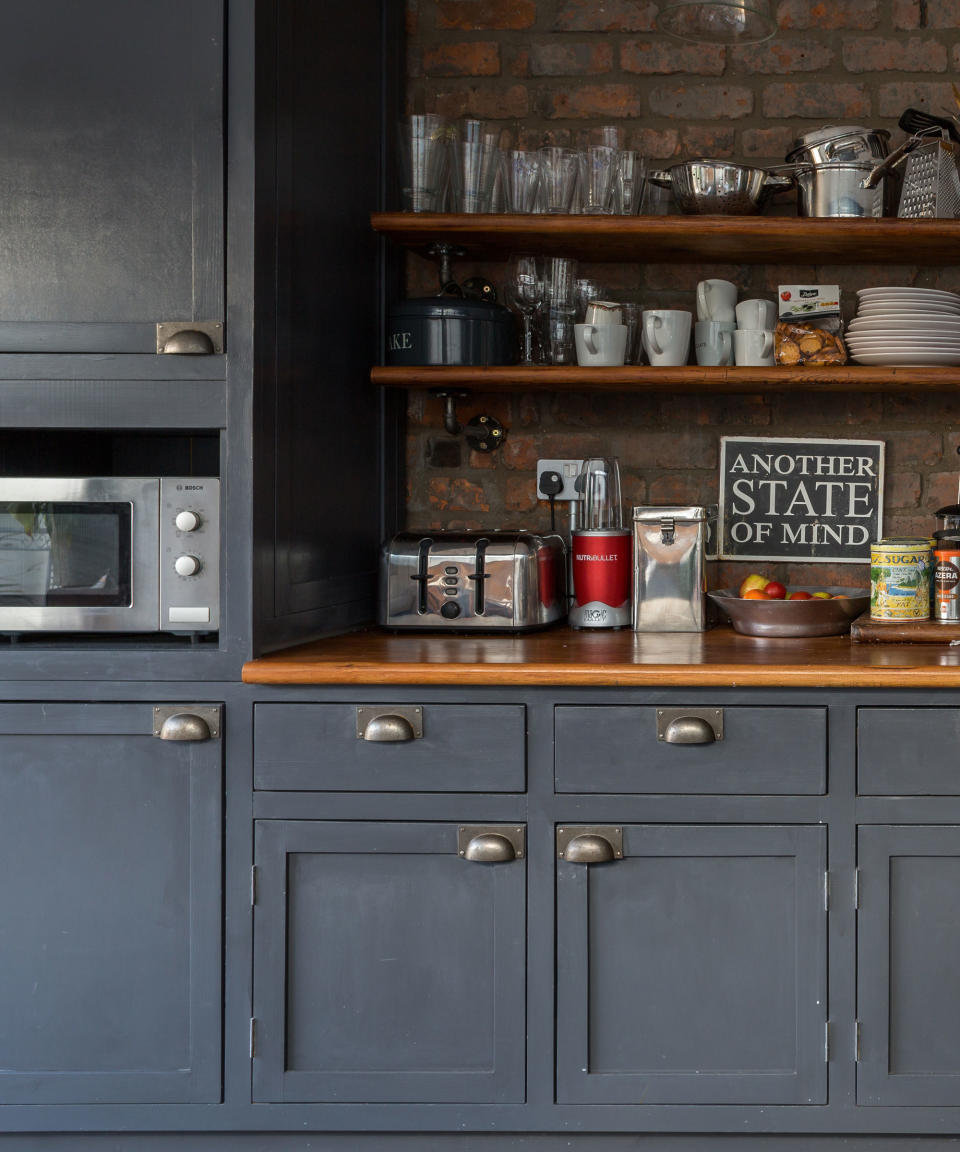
<point x="110" y="554"/>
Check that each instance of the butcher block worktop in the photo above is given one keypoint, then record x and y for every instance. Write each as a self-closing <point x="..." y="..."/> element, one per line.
<point x="563" y="657"/>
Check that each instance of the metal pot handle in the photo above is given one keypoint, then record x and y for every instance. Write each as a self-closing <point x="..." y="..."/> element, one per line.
<point x="896" y="157"/>
<point x="661" y="177"/>
<point x="778" y="183"/>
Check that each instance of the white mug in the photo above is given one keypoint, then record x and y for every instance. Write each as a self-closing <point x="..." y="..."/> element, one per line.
<point x="603" y="312"/>
<point x="600" y="345"/>
<point x="753" y="346"/>
<point x="666" y="336"/>
<point x="716" y="300"/>
<point x="713" y="341"/>
<point x="756" y="314"/>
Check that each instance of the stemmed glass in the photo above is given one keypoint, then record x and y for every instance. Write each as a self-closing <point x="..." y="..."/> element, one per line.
<point x="524" y="295"/>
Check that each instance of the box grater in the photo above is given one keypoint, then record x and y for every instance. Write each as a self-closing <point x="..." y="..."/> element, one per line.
<point x="931" y="182"/>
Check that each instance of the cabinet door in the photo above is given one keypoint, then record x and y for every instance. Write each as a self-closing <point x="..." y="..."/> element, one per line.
<point x="693" y="970"/>
<point x="908" y="978"/>
<point x="109" y="908"/>
<point x="387" y="966"/>
<point x="112" y="172"/>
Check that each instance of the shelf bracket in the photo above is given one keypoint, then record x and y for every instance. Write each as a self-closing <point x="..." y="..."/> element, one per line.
<point x="450" y="399"/>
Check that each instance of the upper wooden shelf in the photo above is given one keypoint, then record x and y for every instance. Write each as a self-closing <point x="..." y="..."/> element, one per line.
<point x="690" y="378"/>
<point x="684" y="239"/>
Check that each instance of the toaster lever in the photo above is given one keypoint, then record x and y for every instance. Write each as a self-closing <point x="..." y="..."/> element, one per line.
<point x="421" y="575"/>
<point x="479" y="576"/>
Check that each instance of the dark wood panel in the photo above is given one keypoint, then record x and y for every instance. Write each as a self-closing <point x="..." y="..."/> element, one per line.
<point x="562" y="656"/>
<point x="685" y="239"/>
<point x="688" y="378"/>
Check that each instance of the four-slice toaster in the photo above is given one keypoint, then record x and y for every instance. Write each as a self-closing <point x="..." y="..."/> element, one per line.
<point x="504" y="581"/>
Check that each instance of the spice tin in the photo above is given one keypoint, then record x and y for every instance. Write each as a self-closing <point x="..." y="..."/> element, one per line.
<point x="946" y="582"/>
<point x="900" y="579"/>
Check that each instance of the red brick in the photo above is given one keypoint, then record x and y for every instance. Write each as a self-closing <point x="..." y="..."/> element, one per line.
<point x="521" y="453"/>
<point x="766" y="143"/>
<point x="475" y="58"/>
<point x="658" y="144"/>
<point x="590" y="100"/>
<point x="820" y="99"/>
<point x="713" y="142"/>
<point x="827" y="15"/>
<point x="942" y="14"/>
<point x="487" y="103"/>
<point x="685" y="277"/>
<point x="683" y="448"/>
<point x="893" y="98"/>
<point x="486" y="461"/>
<point x="902" y="490"/>
<point x="528" y="405"/>
<point x="827" y="411"/>
<point x="701" y="101"/>
<point x="683" y="488"/>
<point x="633" y="488"/>
<point x="477" y="15"/>
<point x="519" y="62"/>
<point x="940" y="489"/>
<point x="562" y="58"/>
<point x="781" y="57"/>
<point x="659" y="57"/>
<point x="906" y="14"/>
<point x="607" y="16"/>
<point x="411" y="16"/>
<point x="456" y="495"/>
<point x="905" y="524"/>
<point x="520" y="494"/>
<point x="908" y="449"/>
<point x="875" y="54"/>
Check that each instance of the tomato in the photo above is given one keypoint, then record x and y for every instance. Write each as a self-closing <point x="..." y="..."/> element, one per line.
<point x="775" y="590"/>
<point x="799" y="596"/>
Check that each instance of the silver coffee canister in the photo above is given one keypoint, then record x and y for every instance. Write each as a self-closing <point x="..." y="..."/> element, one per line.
<point x="671" y="545"/>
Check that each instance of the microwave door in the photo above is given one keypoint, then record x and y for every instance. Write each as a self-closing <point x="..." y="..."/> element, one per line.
<point x="84" y="560"/>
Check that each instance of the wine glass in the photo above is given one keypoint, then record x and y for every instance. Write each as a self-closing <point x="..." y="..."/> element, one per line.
<point x="524" y="295"/>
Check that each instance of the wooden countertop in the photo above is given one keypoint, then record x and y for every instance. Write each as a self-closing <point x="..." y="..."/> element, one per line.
<point x="563" y="657"/>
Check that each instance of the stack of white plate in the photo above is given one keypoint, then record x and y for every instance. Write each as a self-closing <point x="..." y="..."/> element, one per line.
<point x="905" y="326"/>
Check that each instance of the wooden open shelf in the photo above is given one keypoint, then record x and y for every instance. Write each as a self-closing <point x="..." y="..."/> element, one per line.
<point x="684" y="239"/>
<point x="553" y="378"/>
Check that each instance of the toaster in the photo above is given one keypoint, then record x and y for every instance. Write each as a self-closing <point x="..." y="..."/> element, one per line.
<point x="505" y="581"/>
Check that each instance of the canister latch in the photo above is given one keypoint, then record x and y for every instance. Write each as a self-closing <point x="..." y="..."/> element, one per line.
<point x="668" y="530"/>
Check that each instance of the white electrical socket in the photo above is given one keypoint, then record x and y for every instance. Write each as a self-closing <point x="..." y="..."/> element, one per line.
<point x="567" y="470"/>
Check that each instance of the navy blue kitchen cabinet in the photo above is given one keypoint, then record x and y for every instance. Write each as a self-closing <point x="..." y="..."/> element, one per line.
<point x="113" y="173"/>
<point x="389" y="962"/>
<point x="692" y="968"/>
<point x="110" y="936"/>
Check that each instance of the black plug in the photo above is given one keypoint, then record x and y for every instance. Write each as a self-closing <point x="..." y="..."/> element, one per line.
<point x="550" y="483"/>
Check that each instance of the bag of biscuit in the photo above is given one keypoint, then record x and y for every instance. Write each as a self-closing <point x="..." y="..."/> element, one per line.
<point x="797" y="344"/>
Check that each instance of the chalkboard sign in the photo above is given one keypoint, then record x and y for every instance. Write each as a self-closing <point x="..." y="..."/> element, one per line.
<point x="800" y="499"/>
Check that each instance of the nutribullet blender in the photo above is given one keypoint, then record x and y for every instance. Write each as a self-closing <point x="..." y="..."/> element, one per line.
<point x="601" y="549"/>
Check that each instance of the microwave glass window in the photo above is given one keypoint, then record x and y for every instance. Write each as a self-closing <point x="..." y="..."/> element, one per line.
<point x="66" y="554"/>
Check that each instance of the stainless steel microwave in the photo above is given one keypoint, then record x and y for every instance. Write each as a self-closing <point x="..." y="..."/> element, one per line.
<point x="109" y="554"/>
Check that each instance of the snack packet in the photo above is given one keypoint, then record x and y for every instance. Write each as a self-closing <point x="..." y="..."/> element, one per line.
<point x="807" y="344"/>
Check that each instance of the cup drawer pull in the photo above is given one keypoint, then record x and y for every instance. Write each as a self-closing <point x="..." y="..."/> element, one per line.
<point x="389" y="725"/>
<point x="689" y="725"/>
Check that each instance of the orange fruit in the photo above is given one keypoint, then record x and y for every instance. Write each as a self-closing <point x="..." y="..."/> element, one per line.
<point x="756" y="594"/>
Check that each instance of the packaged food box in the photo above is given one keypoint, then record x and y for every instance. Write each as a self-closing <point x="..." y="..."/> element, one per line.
<point x="808" y="302"/>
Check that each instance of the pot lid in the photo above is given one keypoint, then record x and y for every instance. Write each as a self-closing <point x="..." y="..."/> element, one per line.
<point x="836" y="132"/>
<point x="948" y="510"/>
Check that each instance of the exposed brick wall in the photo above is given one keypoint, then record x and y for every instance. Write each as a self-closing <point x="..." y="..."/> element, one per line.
<point x="548" y="68"/>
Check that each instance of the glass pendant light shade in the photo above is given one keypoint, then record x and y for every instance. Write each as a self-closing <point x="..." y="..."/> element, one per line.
<point x="717" y="21"/>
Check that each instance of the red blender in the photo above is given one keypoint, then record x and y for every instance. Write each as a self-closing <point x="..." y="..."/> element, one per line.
<point x="601" y="549"/>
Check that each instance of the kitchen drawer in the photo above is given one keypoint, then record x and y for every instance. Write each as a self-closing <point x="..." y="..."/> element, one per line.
<point x="761" y="751"/>
<point x="908" y="751"/>
<point x="461" y="748"/>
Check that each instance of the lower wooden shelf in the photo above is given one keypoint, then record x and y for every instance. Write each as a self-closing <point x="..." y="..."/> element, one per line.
<point x="690" y="378"/>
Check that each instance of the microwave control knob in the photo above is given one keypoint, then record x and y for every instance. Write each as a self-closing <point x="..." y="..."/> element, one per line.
<point x="187" y="521"/>
<point x="187" y="565"/>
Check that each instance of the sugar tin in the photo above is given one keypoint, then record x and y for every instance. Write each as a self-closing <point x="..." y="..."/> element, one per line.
<point x="900" y="579"/>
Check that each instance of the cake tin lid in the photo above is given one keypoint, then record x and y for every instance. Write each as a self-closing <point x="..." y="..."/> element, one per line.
<point x="691" y="513"/>
<point x="448" y="308"/>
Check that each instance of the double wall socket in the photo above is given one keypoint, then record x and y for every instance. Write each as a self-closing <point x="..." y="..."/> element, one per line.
<point x="565" y="470"/>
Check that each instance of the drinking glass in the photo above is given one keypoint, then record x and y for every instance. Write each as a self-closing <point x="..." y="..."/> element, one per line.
<point x="524" y="295"/>
<point x="520" y="174"/>
<point x="628" y="183"/>
<point x="476" y="157"/>
<point x="560" y="275"/>
<point x="423" y="155"/>
<point x="598" y="166"/>
<point x="558" y="178"/>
